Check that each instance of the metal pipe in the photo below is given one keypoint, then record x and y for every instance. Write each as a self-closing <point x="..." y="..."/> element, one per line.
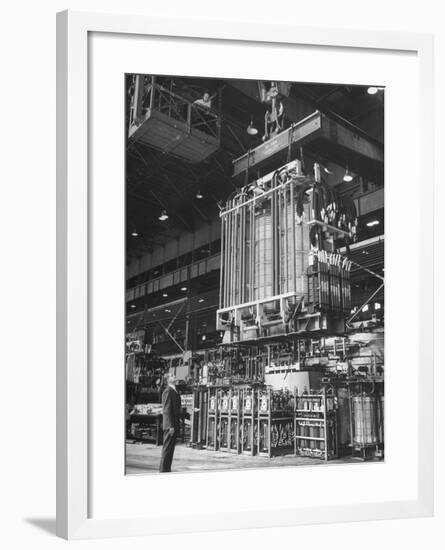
<point x="365" y="303"/>
<point x="252" y="251"/>
<point x="273" y="231"/>
<point x="277" y="242"/>
<point x="152" y="92"/>
<point x="238" y="256"/>
<point x="224" y="266"/>
<point x="249" y="259"/>
<point x="272" y="241"/>
<point x="279" y="239"/>
<point x="255" y="274"/>
<point x="242" y="248"/>
<point x="221" y="267"/>
<point x="233" y="266"/>
<point x="229" y="238"/>
<point x="276" y="286"/>
<point x="243" y="252"/>
<point x="284" y="240"/>
<point x="246" y="297"/>
<point x="286" y="243"/>
<point x="282" y="245"/>
<point x="235" y="255"/>
<point x="137" y="98"/>
<point x="294" y="246"/>
<point x="368" y="270"/>
<point x="231" y="261"/>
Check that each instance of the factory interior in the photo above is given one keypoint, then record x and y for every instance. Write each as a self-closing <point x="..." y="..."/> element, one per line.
<point x="254" y="271"/>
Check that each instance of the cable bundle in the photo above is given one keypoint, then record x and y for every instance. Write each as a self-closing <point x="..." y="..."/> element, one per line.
<point x="330" y="208"/>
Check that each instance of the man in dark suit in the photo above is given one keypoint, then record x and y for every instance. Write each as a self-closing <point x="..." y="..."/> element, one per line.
<point x="171" y="413"/>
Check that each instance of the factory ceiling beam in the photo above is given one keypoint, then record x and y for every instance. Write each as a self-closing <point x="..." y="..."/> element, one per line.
<point x="341" y="142"/>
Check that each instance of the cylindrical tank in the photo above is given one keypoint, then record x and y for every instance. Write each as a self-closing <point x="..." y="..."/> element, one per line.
<point x="364" y="420"/>
<point x="294" y="251"/>
<point x="263" y="256"/>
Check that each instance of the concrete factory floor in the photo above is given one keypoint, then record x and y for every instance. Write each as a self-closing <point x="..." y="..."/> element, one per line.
<point x="143" y="458"/>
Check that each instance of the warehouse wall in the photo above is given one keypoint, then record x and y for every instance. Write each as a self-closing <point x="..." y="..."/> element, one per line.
<point x="185" y="243"/>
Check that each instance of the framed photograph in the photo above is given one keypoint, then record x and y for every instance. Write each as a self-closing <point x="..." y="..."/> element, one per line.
<point x="245" y="298"/>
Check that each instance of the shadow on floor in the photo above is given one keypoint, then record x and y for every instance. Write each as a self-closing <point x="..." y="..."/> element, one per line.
<point x="44" y="524"/>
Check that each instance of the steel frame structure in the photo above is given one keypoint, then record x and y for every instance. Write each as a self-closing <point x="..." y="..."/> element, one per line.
<point x="266" y="253"/>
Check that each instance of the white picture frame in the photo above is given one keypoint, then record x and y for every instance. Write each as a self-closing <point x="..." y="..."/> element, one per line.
<point x="74" y="518"/>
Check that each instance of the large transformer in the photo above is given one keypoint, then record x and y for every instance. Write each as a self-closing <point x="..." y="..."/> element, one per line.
<point x="280" y="272"/>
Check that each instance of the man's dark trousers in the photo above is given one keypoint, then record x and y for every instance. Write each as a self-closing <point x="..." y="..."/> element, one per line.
<point x="168" y="448"/>
<point x="171" y="414"/>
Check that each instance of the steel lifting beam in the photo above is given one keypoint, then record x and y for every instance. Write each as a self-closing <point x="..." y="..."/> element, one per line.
<point x="340" y="144"/>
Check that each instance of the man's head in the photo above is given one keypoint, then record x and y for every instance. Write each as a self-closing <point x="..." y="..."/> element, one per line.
<point x="206" y="96"/>
<point x="171" y="379"/>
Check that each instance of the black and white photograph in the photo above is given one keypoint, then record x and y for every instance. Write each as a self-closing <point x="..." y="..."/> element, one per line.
<point x="254" y="291"/>
<point x="230" y="220"/>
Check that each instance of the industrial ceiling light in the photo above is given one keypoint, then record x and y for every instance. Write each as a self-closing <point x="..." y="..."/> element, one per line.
<point x="132" y="306"/>
<point x="203" y="337"/>
<point x="163" y="216"/>
<point x="201" y="300"/>
<point x="167" y="310"/>
<point x="372" y="90"/>
<point x="184" y="288"/>
<point x="347" y="177"/>
<point x="377" y="306"/>
<point x="251" y="130"/>
<point x="365" y="308"/>
<point x="134" y="233"/>
<point x="199" y="195"/>
<point x="372" y="223"/>
<point x="165" y="295"/>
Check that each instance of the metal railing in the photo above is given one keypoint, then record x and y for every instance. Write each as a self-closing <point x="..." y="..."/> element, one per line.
<point x="148" y="95"/>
